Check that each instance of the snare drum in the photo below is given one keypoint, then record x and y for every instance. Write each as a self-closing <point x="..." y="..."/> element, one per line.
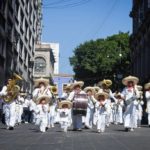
<point x="80" y="104"/>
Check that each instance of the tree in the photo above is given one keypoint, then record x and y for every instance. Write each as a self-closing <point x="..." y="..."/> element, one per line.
<point x="103" y="58"/>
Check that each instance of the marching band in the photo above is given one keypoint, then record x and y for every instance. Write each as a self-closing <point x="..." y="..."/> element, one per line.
<point x="92" y="106"/>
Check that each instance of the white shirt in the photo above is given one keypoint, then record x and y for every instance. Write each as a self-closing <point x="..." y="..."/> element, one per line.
<point x="42" y="110"/>
<point x="26" y="103"/>
<point x="3" y="91"/>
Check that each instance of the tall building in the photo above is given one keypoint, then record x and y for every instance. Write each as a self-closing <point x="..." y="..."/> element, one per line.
<point x="20" y="30"/>
<point x="140" y="39"/>
<point x="55" y="49"/>
<point x="44" y="62"/>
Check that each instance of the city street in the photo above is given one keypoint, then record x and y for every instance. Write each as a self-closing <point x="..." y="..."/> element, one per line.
<point x="27" y="137"/>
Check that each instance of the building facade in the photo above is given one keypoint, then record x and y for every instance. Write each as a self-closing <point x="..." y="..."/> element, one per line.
<point x="61" y="80"/>
<point x="20" y="30"/>
<point x="140" y="39"/>
<point x="44" y="62"/>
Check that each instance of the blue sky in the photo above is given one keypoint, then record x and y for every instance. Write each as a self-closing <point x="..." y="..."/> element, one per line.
<point x="71" y="26"/>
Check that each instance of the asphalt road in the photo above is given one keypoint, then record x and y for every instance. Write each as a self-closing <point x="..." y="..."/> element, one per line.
<point x="27" y="137"/>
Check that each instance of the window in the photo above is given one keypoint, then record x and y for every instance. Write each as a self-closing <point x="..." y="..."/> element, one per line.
<point x="40" y="65"/>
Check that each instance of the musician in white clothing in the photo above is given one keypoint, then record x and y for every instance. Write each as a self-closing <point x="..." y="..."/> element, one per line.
<point x="105" y="85"/>
<point x="9" y="107"/>
<point x="130" y="94"/>
<point x="101" y="108"/>
<point x="91" y="107"/>
<point x="19" y="108"/>
<point x="77" y="118"/>
<point x="64" y="113"/>
<point x="41" y="88"/>
<point x="140" y="106"/>
<point x="119" y="103"/>
<point x="147" y="96"/>
<point x="42" y="112"/>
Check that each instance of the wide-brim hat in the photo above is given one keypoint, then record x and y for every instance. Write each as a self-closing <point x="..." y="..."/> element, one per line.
<point x="106" y="82"/>
<point x="89" y="88"/>
<point x="147" y="86"/>
<point x="133" y="79"/>
<point x="96" y="88"/>
<point x="68" y="87"/>
<point x="102" y="94"/>
<point x="41" y="80"/>
<point x="66" y="102"/>
<point x="45" y="97"/>
<point x="139" y="87"/>
<point x="118" y="95"/>
<point x="77" y="83"/>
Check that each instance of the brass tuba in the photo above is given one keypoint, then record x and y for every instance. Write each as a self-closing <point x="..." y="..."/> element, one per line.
<point x="12" y="88"/>
<point x="54" y="90"/>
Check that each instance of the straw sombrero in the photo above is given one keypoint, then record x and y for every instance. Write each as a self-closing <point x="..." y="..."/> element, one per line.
<point x="89" y="88"/>
<point x="46" y="97"/>
<point x="41" y="80"/>
<point x="102" y="94"/>
<point x="147" y="86"/>
<point x="68" y="87"/>
<point x="133" y="79"/>
<point x="77" y="83"/>
<point x="139" y="87"/>
<point x="66" y="102"/>
<point x="118" y="95"/>
<point x="96" y="88"/>
<point x="106" y="82"/>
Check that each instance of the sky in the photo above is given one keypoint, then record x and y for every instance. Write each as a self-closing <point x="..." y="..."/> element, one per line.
<point x="72" y="26"/>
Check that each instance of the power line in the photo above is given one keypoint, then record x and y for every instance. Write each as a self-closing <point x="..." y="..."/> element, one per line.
<point x="112" y="8"/>
<point x="65" y="4"/>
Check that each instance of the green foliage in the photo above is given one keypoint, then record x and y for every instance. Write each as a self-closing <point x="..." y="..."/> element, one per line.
<point x="99" y="59"/>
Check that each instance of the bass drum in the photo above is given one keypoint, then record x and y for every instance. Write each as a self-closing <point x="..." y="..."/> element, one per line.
<point x="80" y="104"/>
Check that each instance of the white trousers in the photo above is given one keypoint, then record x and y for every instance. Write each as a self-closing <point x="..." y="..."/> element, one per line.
<point x="43" y="123"/>
<point x="77" y="121"/>
<point x="119" y="117"/>
<point x="19" y="113"/>
<point x="10" y="115"/>
<point x="51" y="116"/>
<point x="101" y="122"/>
<point x="89" y="117"/>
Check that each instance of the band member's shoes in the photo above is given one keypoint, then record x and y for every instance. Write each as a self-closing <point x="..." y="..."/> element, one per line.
<point x="46" y="128"/>
<point x="74" y="129"/>
<point x="149" y="126"/>
<point x="126" y="129"/>
<point x="99" y="131"/>
<point x="131" y="129"/>
<point x="86" y="127"/>
<point x="79" y="129"/>
<point x="11" y="128"/>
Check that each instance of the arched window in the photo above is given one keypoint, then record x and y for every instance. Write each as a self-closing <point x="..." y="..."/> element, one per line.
<point x="40" y="65"/>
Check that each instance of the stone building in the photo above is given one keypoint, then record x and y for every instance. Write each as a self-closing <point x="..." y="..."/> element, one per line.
<point x="140" y="39"/>
<point x="44" y="62"/>
<point x="20" y="30"/>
